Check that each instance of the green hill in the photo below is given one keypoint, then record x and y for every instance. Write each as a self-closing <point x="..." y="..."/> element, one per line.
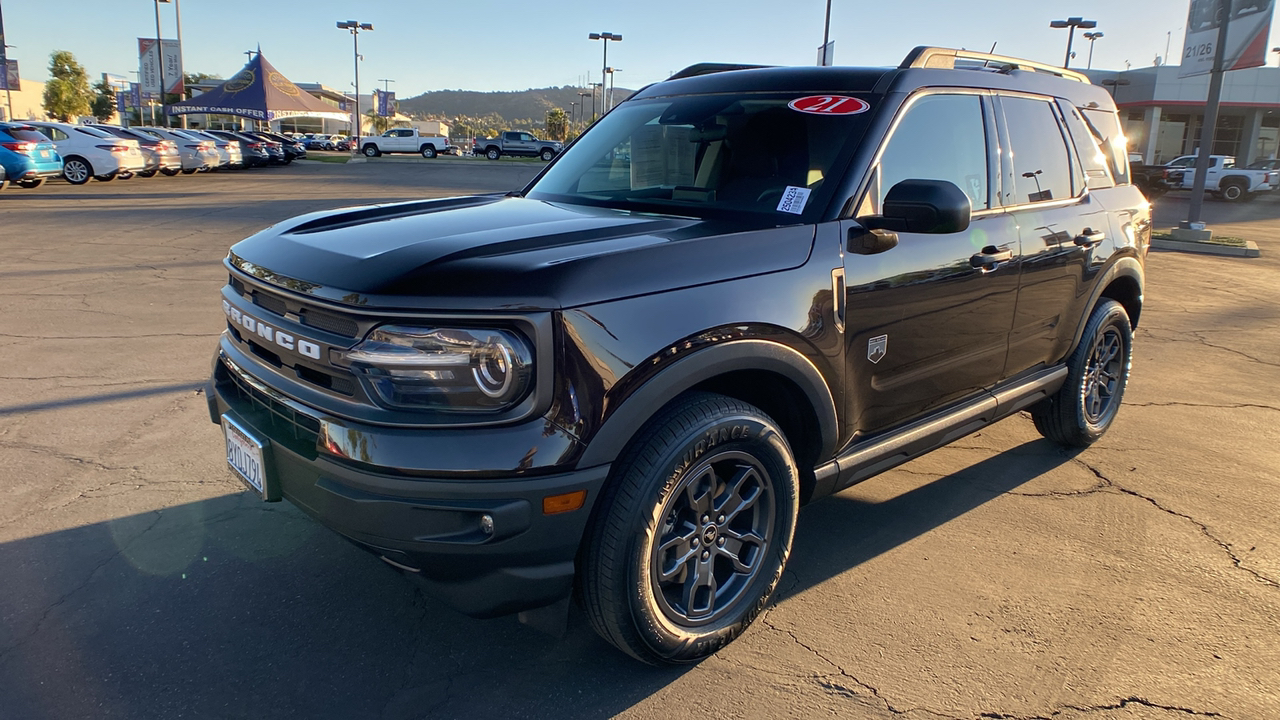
<point x="522" y="109"/>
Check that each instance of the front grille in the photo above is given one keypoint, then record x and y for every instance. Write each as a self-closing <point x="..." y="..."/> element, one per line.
<point x="330" y="322"/>
<point x="283" y="423"/>
<point x="282" y="304"/>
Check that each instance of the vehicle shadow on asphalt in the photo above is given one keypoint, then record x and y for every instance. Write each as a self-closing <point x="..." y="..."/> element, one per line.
<point x="843" y="532"/>
<point x="231" y="607"/>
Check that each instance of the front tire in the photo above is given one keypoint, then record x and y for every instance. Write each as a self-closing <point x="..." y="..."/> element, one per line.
<point x="693" y="530"/>
<point x="105" y="178"/>
<point x="547" y="154"/>
<point x="170" y="172"/>
<point x="371" y="151"/>
<point x="1097" y="374"/>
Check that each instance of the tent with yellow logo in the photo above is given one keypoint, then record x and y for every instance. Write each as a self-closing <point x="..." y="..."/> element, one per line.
<point x="259" y="92"/>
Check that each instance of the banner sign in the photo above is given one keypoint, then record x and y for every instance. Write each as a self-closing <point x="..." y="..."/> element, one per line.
<point x="149" y="66"/>
<point x="1248" y="27"/>
<point x="386" y="103"/>
<point x="9" y="79"/>
<point x="4" y="60"/>
<point x="135" y="95"/>
<point x="122" y="101"/>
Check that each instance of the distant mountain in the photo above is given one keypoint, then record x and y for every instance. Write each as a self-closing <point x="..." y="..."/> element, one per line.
<point x="530" y="106"/>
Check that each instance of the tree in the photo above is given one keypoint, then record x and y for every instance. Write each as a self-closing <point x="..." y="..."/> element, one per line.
<point x="103" y="105"/>
<point x="67" y="94"/>
<point x="557" y="125"/>
<point x="377" y="123"/>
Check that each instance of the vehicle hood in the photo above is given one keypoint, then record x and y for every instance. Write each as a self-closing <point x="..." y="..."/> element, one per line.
<point x="507" y="253"/>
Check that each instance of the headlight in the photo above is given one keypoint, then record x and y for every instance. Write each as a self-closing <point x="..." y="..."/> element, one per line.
<point x="455" y="369"/>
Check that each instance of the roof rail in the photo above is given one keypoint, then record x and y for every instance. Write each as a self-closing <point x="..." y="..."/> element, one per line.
<point x="709" y="68"/>
<point x="945" y="58"/>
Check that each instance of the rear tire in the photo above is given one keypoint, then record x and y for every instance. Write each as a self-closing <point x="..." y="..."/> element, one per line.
<point x="76" y="170"/>
<point x="1233" y="192"/>
<point x="692" y="531"/>
<point x="170" y="171"/>
<point x="1097" y="374"/>
<point x="147" y="173"/>
<point x="428" y="151"/>
<point x="493" y="153"/>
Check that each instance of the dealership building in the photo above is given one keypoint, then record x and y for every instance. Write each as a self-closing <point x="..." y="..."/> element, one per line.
<point x="1163" y="114"/>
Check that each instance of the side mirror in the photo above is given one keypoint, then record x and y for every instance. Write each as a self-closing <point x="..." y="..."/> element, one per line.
<point x="923" y="206"/>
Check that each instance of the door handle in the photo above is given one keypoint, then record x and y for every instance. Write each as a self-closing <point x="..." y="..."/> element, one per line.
<point x="1089" y="238"/>
<point x="990" y="258"/>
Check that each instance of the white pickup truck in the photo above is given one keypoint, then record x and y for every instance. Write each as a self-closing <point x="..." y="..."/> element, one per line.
<point x="404" y="140"/>
<point x="1224" y="179"/>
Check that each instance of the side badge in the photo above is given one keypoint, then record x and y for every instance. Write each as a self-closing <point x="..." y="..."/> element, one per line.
<point x="877" y="347"/>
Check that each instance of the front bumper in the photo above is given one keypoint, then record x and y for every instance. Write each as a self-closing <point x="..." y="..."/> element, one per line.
<point x="431" y="526"/>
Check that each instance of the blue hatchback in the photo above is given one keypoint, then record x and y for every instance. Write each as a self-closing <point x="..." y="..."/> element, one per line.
<point x="27" y="155"/>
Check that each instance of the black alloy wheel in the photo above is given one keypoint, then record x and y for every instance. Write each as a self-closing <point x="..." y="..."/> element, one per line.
<point x="1097" y="374"/>
<point x="691" y="533"/>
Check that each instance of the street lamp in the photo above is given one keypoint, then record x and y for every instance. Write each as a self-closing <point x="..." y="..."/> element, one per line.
<point x="612" y="70"/>
<point x="1091" y="37"/>
<point x="604" y="66"/>
<point x="1072" y="23"/>
<point x="582" y="105"/>
<point x="593" y="98"/>
<point x="355" y="27"/>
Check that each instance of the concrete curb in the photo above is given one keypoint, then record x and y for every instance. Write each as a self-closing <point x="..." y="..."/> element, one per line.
<point x="1250" y="248"/>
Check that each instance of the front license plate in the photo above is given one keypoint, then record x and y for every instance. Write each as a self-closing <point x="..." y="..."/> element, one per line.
<point x="244" y="455"/>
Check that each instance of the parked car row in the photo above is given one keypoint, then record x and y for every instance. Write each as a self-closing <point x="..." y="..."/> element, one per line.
<point x="34" y="151"/>
<point x="320" y="141"/>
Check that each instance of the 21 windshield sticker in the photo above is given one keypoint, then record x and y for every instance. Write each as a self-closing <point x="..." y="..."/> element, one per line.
<point x="829" y="105"/>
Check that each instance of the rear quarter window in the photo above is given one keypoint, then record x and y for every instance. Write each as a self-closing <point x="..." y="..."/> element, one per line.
<point x="1106" y="126"/>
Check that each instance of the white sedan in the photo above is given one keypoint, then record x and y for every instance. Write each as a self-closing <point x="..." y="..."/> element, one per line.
<point x="198" y="154"/>
<point x="91" y="153"/>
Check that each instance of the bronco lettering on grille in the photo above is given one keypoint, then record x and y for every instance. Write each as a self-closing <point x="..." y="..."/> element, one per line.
<point x="256" y="327"/>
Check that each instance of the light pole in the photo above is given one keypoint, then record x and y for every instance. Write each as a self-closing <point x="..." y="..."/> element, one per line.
<point x="826" y="35"/>
<point x="164" y="119"/>
<point x="1072" y="23"/>
<point x="612" y="70"/>
<point x="582" y="106"/>
<point x="593" y="98"/>
<point x="572" y="118"/>
<point x="1091" y="36"/>
<point x="355" y="27"/>
<point x="604" y="66"/>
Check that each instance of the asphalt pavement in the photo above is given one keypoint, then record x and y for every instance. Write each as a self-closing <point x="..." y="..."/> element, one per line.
<point x="999" y="577"/>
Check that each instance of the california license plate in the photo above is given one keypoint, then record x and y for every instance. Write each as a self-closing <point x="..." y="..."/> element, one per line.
<point x="244" y="455"/>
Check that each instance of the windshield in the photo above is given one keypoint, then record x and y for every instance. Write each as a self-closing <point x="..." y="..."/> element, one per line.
<point x="710" y="156"/>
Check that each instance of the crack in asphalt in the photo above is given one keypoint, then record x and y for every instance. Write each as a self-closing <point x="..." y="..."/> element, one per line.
<point x="1107" y="483"/>
<point x="1180" y="335"/>
<point x="67" y="595"/>
<point x="1232" y="406"/>
<point x="1119" y="705"/>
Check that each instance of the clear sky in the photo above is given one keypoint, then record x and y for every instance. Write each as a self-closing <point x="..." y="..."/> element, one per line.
<point x="497" y="45"/>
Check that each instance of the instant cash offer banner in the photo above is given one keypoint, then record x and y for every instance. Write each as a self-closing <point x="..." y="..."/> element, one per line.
<point x="1247" y="31"/>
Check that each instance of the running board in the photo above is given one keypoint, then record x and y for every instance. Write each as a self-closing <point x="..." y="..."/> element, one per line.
<point x="874" y="456"/>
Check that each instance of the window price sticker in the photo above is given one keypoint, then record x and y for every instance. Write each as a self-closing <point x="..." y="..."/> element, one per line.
<point x="793" y="200"/>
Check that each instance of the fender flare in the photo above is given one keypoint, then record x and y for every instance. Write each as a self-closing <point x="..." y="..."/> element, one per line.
<point x="622" y="424"/>
<point x="1126" y="266"/>
<point x="1236" y="179"/>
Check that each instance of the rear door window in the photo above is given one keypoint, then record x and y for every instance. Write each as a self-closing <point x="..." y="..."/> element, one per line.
<point x="1107" y="127"/>
<point x="1041" y="160"/>
<point x="27" y="135"/>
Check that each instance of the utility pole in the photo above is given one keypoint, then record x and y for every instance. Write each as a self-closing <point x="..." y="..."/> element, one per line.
<point x="826" y="34"/>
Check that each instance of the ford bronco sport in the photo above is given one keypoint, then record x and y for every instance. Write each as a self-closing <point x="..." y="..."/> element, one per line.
<point x="743" y="289"/>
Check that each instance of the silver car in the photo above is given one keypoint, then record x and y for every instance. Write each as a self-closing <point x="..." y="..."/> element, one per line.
<point x="229" y="153"/>
<point x="197" y="153"/>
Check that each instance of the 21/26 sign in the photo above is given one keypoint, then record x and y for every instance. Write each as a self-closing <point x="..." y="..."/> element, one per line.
<point x="829" y="105"/>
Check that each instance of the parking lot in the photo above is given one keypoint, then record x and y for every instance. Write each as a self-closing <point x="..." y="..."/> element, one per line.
<point x="998" y="577"/>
